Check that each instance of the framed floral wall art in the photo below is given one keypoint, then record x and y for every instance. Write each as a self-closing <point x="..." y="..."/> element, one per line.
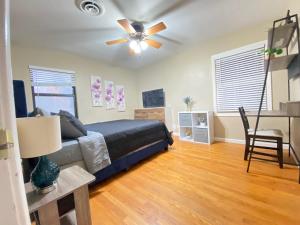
<point x="96" y="91"/>
<point x="109" y="94"/>
<point x="120" y="98"/>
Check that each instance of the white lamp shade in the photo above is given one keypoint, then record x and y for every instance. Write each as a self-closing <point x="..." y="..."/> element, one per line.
<point x="39" y="136"/>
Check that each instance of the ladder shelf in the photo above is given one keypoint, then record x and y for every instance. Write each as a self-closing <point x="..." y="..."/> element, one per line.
<point x="281" y="35"/>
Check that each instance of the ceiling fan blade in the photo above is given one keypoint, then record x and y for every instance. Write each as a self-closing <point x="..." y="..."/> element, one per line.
<point x="152" y="43"/>
<point x="169" y="39"/>
<point x="118" y="41"/>
<point x="126" y="26"/>
<point x="156" y="28"/>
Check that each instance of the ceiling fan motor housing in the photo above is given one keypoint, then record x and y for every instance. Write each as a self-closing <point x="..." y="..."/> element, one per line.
<point x="139" y="27"/>
<point x="91" y="7"/>
<point x="139" y="35"/>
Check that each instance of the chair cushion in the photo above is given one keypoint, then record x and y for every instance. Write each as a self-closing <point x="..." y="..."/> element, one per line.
<point x="267" y="133"/>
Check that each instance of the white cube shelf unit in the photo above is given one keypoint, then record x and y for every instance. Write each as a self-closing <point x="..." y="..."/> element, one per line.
<point x="196" y="126"/>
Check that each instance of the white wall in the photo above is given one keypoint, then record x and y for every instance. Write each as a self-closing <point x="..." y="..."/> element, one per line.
<point x="22" y="57"/>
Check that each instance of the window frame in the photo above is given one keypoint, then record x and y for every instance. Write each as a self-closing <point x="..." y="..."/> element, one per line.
<point x="74" y="94"/>
<point x="232" y="52"/>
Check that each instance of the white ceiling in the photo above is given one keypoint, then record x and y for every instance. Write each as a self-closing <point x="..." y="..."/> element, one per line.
<point x="58" y="24"/>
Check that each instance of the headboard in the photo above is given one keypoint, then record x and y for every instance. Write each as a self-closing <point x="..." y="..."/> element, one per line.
<point x="20" y="98"/>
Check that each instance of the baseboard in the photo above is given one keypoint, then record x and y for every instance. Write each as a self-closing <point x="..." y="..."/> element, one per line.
<point x="239" y="141"/>
<point x="229" y="140"/>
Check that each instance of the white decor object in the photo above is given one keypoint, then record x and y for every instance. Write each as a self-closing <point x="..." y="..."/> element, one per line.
<point x="120" y="98"/>
<point x="109" y="94"/>
<point x="96" y="91"/>
<point x="196" y="126"/>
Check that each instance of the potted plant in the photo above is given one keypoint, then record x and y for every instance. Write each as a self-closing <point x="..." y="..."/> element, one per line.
<point x="189" y="102"/>
<point x="272" y="52"/>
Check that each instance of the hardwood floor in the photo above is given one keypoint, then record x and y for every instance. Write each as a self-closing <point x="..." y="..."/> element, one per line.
<point x="199" y="184"/>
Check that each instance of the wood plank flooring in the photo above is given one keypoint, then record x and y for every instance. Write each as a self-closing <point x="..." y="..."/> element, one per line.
<point x="199" y="184"/>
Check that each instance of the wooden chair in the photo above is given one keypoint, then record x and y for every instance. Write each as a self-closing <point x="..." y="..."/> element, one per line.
<point x="269" y="136"/>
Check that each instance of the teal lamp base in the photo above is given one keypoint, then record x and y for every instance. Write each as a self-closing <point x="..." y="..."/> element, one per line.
<point x="44" y="175"/>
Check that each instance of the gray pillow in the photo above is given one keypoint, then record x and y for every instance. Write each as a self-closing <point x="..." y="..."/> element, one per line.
<point x="71" y="127"/>
<point x="74" y="121"/>
<point x="68" y="130"/>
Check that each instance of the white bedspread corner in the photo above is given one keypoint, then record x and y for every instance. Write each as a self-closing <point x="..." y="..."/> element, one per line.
<point x="94" y="151"/>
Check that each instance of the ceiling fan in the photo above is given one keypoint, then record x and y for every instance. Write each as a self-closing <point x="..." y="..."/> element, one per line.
<point x="138" y="37"/>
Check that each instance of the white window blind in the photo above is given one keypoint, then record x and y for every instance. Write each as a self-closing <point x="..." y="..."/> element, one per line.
<point x="53" y="90"/>
<point x="51" y="77"/>
<point x="239" y="79"/>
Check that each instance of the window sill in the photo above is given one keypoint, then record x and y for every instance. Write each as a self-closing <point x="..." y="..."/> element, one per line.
<point x="226" y="114"/>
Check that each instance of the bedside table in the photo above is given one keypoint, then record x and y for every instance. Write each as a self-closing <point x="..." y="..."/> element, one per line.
<point x="71" y="180"/>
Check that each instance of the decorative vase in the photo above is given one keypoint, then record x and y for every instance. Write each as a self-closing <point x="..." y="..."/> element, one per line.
<point x="44" y="174"/>
<point x="189" y="107"/>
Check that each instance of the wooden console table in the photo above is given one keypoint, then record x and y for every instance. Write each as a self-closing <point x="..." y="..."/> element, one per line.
<point x="71" y="180"/>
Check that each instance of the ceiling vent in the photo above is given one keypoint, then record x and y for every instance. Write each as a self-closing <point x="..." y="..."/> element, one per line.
<point x="91" y="7"/>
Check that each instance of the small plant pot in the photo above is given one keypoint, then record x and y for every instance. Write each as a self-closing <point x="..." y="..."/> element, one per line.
<point x="189" y="108"/>
<point x="202" y="124"/>
<point x="272" y="57"/>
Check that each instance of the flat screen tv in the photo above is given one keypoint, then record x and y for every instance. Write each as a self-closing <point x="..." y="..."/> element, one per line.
<point x="154" y="98"/>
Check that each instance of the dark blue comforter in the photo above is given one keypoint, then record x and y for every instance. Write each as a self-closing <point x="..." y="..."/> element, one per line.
<point x="125" y="136"/>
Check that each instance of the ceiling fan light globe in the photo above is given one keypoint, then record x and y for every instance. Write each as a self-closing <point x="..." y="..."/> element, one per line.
<point x="137" y="50"/>
<point x="143" y="45"/>
<point x="133" y="44"/>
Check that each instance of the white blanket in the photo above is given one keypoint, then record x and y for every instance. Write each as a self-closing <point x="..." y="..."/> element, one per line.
<point x="94" y="151"/>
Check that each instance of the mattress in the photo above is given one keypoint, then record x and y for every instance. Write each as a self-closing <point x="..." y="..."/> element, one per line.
<point x="125" y="136"/>
<point x="121" y="137"/>
<point x="70" y="153"/>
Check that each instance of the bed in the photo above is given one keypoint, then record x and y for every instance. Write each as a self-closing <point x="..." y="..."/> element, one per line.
<point x="128" y="142"/>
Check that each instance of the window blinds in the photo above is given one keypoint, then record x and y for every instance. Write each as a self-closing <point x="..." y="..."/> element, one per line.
<point x="51" y="77"/>
<point x="239" y="80"/>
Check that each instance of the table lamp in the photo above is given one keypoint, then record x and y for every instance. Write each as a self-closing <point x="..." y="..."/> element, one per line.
<point x="38" y="137"/>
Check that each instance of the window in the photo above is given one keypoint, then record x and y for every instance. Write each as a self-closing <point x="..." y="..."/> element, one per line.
<point x="53" y="90"/>
<point x="238" y="79"/>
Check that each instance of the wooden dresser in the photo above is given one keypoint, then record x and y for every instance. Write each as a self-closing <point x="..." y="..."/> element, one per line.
<point x="163" y="114"/>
